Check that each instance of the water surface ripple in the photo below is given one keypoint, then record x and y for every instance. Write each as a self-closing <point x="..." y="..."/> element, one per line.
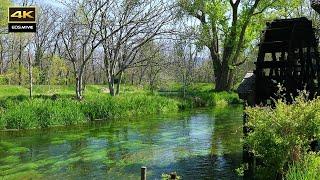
<point x="198" y="144"/>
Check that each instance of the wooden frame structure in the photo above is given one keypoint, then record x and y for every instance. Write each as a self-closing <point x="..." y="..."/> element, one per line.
<point x="288" y="57"/>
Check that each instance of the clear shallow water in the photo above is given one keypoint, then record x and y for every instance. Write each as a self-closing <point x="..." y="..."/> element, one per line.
<point x="200" y="144"/>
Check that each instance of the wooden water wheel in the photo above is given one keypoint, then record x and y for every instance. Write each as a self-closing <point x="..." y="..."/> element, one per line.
<point x="288" y="56"/>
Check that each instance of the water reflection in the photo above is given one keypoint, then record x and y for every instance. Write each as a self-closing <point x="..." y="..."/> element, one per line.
<point x="201" y="144"/>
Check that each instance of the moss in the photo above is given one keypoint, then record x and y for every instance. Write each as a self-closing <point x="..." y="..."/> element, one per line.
<point x="16" y="150"/>
<point x="20" y="168"/>
<point x="10" y="159"/>
<point x="34" y="175"/>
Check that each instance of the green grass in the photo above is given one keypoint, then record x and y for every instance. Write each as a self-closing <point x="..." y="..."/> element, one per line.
<point x="12" y="90"/>
<point x="102" y="107"/>
<point x="42" y="113"/>
<point x="195" y="87"/>
<point x="307" y="168"/>
<point x="56" y="105"/>
<point x="21" y="113"/>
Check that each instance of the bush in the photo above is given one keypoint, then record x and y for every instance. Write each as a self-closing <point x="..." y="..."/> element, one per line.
<point x="3" y="80"/>
<point x="282" y="135"/>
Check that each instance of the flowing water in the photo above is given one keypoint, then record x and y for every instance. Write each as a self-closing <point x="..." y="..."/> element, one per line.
<point x="198" y="144"/>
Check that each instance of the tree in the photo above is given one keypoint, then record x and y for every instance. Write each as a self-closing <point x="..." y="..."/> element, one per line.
<point x="225" y="38"/>
<point x="3" y="22"/>
<point x="80" y="37"/>
<point x="4" y="12"/>
<point x="125" y="28"/>
<point x="185" y="60"/>
<point x="45" y="38"/>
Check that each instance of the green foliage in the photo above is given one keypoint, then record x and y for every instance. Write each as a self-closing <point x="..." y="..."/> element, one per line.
<point x="102" y="107"/>
<point x="57" y="71"/>
<point x="3" y="80"/>
<point x="307" y="168"/>
<point x="22" y="113"/>
<point x="165" y="176"/>
<point x="4" y="11"/>
<point x="208" y="99"/>
<point x="42" y="113"/>
<point x="53" y="105"/>
<point x="9" y="90"/>
<point x="229" y="98"/>
<point x="283" y="135"/>
<point x="12" y="74"/>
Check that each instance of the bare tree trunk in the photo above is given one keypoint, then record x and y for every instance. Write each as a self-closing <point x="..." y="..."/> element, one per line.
<point x="30" y="73"/>
<point x="119" y="83"/>
<point x="184" y="85"/>
<point x="20" y="63"/>
<point x="93" y="71"/>
<point x="79" y="87"/>
<point x="111" y="87"/>
<point x="66" y="80"/>
<point x="132" y="78"/>
<point x="1" y="57"/>
<point x="222" y="78"/>
<point x="1" y="62"/>
<point x="80" y="83"/>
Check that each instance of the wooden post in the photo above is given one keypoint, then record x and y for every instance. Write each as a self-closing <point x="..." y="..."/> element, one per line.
<point x="143" y="173"/>
<point x="30" y="73"/>
<point x="173" y="175"/>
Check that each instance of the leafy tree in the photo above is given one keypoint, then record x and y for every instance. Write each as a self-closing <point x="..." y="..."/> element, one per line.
<point x="4" y="11"/>
<point x="57" y="71"/>
<point x="227" y="28"/>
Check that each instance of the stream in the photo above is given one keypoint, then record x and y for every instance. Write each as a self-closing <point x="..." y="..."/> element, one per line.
<point x="196" y="144"/>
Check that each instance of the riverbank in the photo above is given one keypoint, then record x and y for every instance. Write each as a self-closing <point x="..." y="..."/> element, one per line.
<point x="55" y="106"/>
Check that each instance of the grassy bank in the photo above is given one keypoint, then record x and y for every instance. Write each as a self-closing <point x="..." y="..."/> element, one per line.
<point x="42" y="113"/>
<point x="54" y="106"/>
<point x="199" y="95"/>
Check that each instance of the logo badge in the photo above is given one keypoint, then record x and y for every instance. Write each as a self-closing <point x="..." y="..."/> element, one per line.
<point x="22" y="19"/>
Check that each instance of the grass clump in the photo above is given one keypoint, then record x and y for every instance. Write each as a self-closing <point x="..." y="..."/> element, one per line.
<point x="46" y="112"/>
<point x="42" y="113"/>
<point x="102" y="107"/>
<point x="307" y="168"/>
<point x="54" y="105"/>
<point x="209" y="99"/>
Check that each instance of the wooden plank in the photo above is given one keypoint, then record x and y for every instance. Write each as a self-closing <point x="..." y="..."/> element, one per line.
<point x="275" y="64"/>
<point x="275" y="46"/>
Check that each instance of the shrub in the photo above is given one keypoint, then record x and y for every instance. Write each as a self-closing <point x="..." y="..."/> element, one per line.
<point x="282" y="135"/>
<point x="3" y="80"/>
